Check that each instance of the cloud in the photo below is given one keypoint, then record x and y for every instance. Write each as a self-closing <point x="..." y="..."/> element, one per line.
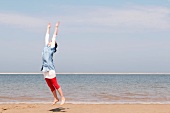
<point x="21" y="20"/>
<point x="129" y="19"/>
<point x="97" y="19"/>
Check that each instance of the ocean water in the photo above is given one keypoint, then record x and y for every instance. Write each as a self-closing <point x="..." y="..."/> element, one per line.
<point x="87" y="88"/>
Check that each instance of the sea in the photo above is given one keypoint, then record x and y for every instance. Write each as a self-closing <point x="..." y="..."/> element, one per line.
<point x="88" y="88"/>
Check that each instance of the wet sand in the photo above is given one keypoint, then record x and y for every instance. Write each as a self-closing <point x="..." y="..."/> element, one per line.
<point x="85" y="108"/>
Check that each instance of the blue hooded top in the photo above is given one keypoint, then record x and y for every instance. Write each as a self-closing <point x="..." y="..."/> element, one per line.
<point x="47" y="59"/>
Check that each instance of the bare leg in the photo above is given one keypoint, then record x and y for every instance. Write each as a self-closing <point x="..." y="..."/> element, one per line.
<point x="55" y="97"/>
<point x="62" y="96"/>
<point x="49" y="83"/>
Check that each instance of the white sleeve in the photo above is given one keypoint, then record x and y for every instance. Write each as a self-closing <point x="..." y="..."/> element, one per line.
<point x="53" y="41"/>
<point x="47" y="39"/>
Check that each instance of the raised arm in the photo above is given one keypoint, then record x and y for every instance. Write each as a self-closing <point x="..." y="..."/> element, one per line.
<point x="47" y="36"/>
<point x="56" y="28"/>
<point x="54" y="35"/>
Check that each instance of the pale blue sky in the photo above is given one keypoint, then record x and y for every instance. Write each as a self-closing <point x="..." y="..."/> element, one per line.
<point x="94" y="36"/>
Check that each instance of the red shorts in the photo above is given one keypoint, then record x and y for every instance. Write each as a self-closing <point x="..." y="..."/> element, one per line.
<point x="52" y="83"/>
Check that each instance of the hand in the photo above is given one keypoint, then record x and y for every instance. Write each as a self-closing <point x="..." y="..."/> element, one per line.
<point x="49" y="25"/>
<point x="57" y="24"/>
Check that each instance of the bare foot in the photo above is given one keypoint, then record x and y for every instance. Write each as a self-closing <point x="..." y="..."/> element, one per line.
<point x="62" y="101"/>
<point x="55" y="101"/>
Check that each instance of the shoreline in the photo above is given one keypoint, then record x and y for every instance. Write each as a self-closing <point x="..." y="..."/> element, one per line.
<point x="94" y="103"/>
<point x="82" y="108"/>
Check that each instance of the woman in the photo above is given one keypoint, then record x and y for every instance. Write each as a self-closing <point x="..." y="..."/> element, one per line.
<point x="48" y="68"/>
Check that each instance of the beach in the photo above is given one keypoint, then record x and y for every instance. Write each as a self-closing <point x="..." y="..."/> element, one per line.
<point x="85" y="108"/>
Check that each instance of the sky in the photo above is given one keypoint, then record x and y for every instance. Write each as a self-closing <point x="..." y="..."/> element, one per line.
<point x="95" y="36"/>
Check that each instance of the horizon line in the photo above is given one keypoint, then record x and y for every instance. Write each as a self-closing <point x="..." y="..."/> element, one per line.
<point x="92" y="73"/>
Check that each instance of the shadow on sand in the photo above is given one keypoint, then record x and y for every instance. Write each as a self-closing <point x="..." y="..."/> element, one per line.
<point x="60" y="109"/>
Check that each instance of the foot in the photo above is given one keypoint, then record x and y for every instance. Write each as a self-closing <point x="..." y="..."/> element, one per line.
<point x="55" y="101"/>
<point x="62" y="101"/>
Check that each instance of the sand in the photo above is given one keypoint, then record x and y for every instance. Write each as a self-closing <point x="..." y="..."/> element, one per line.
<point x="85" y="108"/>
